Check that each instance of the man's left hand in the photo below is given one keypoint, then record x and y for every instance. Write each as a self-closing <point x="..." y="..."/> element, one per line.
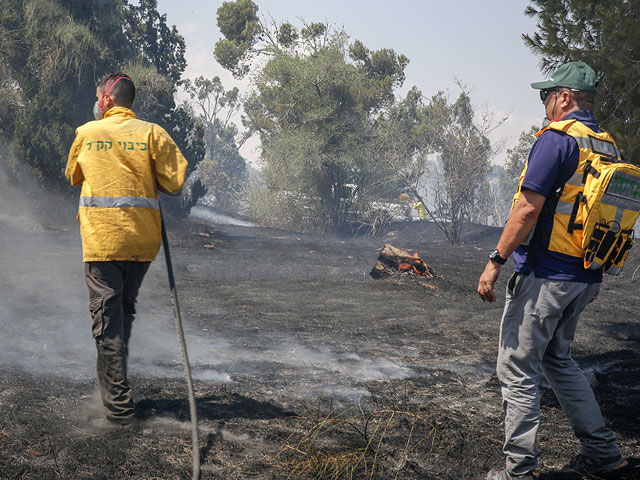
<point x="487" y="281"/>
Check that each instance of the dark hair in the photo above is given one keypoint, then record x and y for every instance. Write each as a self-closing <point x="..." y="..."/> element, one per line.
<point x="123" y="90"/>
<point x="583" y="100"/>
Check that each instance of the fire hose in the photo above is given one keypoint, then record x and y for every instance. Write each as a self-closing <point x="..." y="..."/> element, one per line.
<point x="185" y="358"/>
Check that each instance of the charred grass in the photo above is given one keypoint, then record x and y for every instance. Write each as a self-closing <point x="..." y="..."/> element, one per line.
<point x="332" y="375"/>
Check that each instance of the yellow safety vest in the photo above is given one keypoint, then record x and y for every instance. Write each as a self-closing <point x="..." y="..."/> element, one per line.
<point x="567" y="233"/>
<point x="119" y="161"/>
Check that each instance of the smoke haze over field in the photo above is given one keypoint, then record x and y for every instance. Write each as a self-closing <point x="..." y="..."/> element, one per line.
<point x="42" y="287"/>
<point x="46" y="325"/>
<point x="205" y="213"/>
<point x="45" y="321"/>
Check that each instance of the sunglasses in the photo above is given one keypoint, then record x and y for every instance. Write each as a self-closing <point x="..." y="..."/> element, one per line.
<point x="545" y="93"/>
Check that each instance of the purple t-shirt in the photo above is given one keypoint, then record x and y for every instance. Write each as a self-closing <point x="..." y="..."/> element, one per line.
<point x="552" y="161"/>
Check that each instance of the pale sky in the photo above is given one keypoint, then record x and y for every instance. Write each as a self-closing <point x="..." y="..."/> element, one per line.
<point x="477" y="42"/>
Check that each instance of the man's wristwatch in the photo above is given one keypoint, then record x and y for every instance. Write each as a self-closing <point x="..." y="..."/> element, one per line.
<point x="495" y="256"/>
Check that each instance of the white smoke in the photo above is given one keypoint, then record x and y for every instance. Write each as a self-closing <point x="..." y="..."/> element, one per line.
<point x="208" y="214"/>
<point x="46" y="327"/>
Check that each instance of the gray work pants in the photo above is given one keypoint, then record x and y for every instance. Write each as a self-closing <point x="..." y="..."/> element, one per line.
<point x="113" y="288"/>
<point x="538" y="325"/>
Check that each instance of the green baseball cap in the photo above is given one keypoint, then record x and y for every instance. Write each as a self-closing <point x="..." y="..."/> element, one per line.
<point x="574" y="75"/>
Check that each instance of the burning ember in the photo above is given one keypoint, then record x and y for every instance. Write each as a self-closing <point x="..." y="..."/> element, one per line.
<point x="393" y="260"/>
<point x="417" y="266"/>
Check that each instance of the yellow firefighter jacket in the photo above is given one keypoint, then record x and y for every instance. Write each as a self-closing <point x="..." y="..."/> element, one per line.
<point x="422" y="211"/>
<point x="565" y="236"/>
<point x="119" y="161"/>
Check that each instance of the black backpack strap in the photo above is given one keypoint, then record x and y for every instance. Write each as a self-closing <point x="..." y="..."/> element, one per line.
<point x="574" y="213"/>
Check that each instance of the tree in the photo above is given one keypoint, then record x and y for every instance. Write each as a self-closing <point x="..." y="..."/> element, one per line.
<point x="494" y="198"/>
<point x="606" y="35"/>
<point x="10" y="101"/>
<point x="518" y="155"/>
<point x="314" y="107"/>
<point x="162" y="46"/>
<point x="496" y="192"/>
<point x="222" y="171"/>
<point x="241" y="29"/>
<point x="51" y="54"/>
<point x="442" y="153"/>
<point x="495" y="195"/>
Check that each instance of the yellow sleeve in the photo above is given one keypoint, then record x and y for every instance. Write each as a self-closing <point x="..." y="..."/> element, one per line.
<point x="169" y="163"/>
<point x="73" y="171"/>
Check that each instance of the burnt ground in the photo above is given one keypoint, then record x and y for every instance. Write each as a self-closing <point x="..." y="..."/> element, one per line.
<point x="305" y="367"/>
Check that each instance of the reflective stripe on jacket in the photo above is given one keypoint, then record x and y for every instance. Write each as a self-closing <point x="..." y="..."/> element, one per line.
<point x="562" y="238"/>
<point x="119" y="161"/>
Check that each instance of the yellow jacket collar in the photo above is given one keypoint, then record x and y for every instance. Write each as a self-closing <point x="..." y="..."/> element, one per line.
<point x="120" y="112"/>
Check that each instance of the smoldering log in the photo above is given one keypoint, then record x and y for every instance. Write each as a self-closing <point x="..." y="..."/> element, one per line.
<point x="393" y="260"/>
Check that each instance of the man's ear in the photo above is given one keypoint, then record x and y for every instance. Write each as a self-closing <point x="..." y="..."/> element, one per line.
<point x="567" y="100"/>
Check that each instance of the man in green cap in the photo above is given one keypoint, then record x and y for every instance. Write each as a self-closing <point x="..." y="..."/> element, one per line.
<point x="550" y="287"/>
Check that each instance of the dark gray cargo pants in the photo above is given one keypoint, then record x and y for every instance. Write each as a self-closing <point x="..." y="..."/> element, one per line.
<point x="113" y="288"/>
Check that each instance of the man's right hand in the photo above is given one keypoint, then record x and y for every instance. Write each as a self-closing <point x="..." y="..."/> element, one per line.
<point x="487" y="281"/>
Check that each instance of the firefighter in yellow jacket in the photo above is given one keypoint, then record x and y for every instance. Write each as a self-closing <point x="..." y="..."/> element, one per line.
<point x="422" y="211"/>
<point x="121" y="163"/>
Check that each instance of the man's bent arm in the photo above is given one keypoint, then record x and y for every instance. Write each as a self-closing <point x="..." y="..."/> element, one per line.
<point x="519" y="224"/>
<point x="73" y="172"/>
<point x="169" y="164"/>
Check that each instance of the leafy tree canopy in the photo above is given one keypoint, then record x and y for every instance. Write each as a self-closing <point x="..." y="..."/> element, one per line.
<point x="162" y="46"/>
<point x="518" y="155"/>
<point x="606" y="35"/>
<point x="441" y="152"/>
<point x="241" y="28"/>
<point x="51" y="50"/>
<point x="51" y="54"/>
<point x="314" y="106"/>
<point x="314" y="115"/>
<point x="222" y="171"/>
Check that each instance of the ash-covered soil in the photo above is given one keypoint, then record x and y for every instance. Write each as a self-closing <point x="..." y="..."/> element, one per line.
<point x="305" y="367"/>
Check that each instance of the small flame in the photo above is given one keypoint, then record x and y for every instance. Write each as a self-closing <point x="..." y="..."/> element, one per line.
<point x="415" y="265"/>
